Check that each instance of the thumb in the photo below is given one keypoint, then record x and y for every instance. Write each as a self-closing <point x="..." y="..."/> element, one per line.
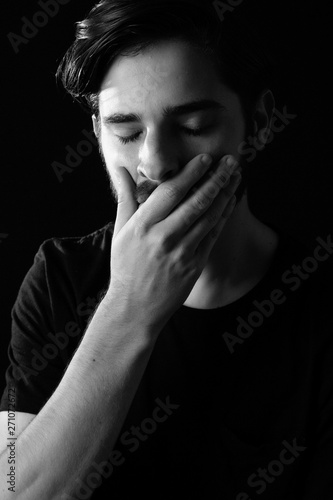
<point x="127" y="204"/>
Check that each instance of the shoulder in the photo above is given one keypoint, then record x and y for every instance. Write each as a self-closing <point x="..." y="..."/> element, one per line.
<point x="70" y="264"/>
<point x="95" y="242"/>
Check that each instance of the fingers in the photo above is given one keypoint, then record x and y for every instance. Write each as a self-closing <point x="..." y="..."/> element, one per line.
<point x="207" y="229"/>
<point x="205" y="247"/>
<point x="200" y="198"/>
<point x="170" y="193"/>
<point x="127" y="204"/>
<point x="176" y="203"/>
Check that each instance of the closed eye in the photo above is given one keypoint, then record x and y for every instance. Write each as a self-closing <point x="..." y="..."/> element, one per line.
<point x="134" y="137"/>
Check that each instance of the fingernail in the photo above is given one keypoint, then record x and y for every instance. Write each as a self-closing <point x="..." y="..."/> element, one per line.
<point x="232" y="164"/>
<point x="206" y="159"/>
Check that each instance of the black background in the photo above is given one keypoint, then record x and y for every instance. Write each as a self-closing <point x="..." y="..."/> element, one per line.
<point x="291" y="183"/>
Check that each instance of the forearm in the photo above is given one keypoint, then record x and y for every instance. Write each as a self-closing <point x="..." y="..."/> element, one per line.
<point x="157" y="255"/>
<point x="81" y="421"/>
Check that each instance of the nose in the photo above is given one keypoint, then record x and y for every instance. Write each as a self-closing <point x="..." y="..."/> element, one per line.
<point x="158" y="158"/>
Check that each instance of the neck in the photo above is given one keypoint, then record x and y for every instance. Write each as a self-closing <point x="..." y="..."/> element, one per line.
<point x="239" y="260"/>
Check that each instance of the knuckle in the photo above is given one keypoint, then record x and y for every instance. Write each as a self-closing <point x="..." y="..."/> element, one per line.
<point x="183" y="257"/>
<point x="172" y="191"/>
<point x="201" y="202"/>
<point x="222" y="178"/>
<point x="165" y="243"/>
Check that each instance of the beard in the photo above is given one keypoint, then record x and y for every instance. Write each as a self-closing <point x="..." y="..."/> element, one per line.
<point x="144" y="188"/>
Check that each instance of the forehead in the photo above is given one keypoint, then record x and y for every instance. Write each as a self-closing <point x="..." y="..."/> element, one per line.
<point x="167" y="71"/>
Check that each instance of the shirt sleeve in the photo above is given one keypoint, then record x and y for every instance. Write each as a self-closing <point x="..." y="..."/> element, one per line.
<point x="35" y="367"/>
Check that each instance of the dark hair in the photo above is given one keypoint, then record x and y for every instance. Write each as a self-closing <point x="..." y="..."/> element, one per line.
<point x="126" y="27"/>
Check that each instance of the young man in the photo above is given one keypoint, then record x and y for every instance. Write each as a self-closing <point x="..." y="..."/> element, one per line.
<point x="182" y="351"/>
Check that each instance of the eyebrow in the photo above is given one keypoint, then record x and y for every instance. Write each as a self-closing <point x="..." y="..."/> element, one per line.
<point x="183" y="109"/>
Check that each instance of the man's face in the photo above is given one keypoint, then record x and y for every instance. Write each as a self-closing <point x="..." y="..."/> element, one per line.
<point x="160" y="109"/>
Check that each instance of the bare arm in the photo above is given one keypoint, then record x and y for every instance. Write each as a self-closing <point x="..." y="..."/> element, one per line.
<point x="158" y="252"/>
<point x="82" y="419"/>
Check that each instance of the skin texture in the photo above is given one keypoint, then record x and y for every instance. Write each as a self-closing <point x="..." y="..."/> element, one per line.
<point x="180" y="246"/>
<point x="171" y="73"/>
<point x="163" y="148"/>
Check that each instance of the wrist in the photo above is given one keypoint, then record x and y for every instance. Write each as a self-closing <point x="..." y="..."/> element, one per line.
<point x="126" y="318"/>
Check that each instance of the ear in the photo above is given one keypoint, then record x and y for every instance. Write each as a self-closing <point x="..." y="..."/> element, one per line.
<point x="96" y="125"/>
<point x="262" y="117"/>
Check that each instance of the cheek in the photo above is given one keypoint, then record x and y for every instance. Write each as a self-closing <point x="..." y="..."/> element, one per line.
<point x="235" y="138"/>
<point x="116" y="156"/>
<point x="227" y="139"/>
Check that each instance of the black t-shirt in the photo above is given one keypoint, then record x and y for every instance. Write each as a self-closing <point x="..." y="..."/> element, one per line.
<point x="235" y="403"/>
